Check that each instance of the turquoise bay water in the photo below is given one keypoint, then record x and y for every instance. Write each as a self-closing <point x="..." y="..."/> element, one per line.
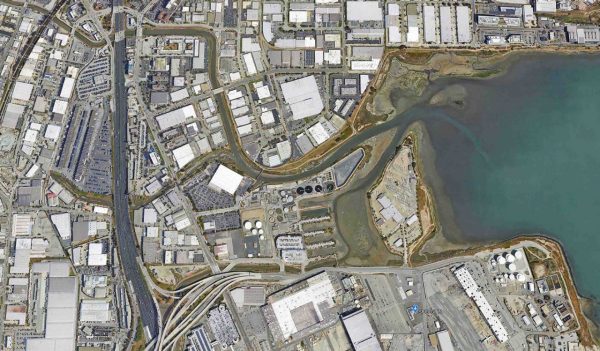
<point x="523" y="156"/>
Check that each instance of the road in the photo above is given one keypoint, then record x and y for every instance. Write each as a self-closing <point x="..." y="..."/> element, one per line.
<point x="126" y="242"/>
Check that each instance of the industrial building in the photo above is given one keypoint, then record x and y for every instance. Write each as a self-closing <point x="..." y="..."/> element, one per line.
<point x="360" y="331"/>
<point x="60" y="308"/>
<point x="463" y="24"/>
<point x="175" y="117"/>
<point x="299" y="310"/>
<point x="226" y="180"/>
<point x="303" y="97"/>
<point x="473" y="290"/>
<point x="363" y="11"/>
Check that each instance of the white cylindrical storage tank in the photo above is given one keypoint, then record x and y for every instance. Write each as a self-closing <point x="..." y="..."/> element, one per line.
<point x="501" y="260"/>
<point x="261" y="231"/>
<point x="518" y="254"/>
<point x="247" y="225"/>
<point x="510" y="258"/>
<point x="262" y="237"/>
<point x="282" y="193"/>
<point x="258" y="224"/>
<point x="521" y="278"/>
<point x="511" y="277"/>
<point x="286" y="210"/>
<point x="254" y="231"/>
<point x="512" y="267"/>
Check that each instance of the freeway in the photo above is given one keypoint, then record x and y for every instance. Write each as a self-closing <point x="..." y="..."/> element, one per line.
<point x="126" y="242"/>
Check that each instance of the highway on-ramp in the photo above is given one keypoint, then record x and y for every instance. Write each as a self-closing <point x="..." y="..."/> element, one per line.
<point x="126" y="242"/>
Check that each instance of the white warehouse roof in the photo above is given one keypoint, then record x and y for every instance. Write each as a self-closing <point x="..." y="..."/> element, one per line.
<point x="303" y="97"/>
<point x="175" y="117"/>
<point x="183" y="155"/>
<point x="362" y="11"/>
<point x="226" y="179"/>
<point x="67" y="88"/>
<point x="60" y="107"/>
<point x="463" y="25"/>
<point x="22" y="91"/>
<point x="361" y="332"/>
<point x="62" y="222"/>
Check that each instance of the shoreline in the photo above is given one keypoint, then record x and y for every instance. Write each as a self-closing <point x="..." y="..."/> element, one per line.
<point x="588" y="329"/>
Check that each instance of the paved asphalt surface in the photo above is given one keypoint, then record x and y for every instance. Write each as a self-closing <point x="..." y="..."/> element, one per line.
<point x="126" y="242"/>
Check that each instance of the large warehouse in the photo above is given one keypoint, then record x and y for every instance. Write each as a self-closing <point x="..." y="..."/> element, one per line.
<point x="361" y="333"/>
<point x="303" y="97"/>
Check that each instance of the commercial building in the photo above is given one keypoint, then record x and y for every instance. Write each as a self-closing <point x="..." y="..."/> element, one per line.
<point x="22" y="91"/>
<point x="463" y="24"/>
<point x="429" y="23"/>
<point x="94" y="311"/>
<point x="304" y="308"/>
<point x="474" y="292"/>
<point x="363" y="11"/>
<point x="62" y="222"/>
<point x="175" y="117"/>
<point x="60" y="306"/>
<point x="547" y="6"/>
<point x="412" y="18"/>
<point x="67" y="87"/>
<point x="446" y="32"/>
<point x="303" y="97"/>
<point x="225" y="179"/>
<point x="96" y="255"/>
<point x="444" y="341"/>
<point x="183" y="155"/>
<point x="361" y="333"/>
<point x="223" y="327"/>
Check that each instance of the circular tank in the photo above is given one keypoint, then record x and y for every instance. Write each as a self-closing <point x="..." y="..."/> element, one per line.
<point x="518" y="254"/>
<point x="308" y="189"/>
<point x="258" y="224"/>
<point x="501" y="260"/>
<point x="510" y="258"/>
<point x="300" y="190"/>
<point x="512" y="267"/>
<point x="247" y="225"/>
<point x="521" y="278"/>
<point x="318" y="188"/>
<point x="254" y="231"/>
<point x="261" y="231"/>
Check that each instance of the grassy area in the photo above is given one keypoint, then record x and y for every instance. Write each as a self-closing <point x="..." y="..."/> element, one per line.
<point x="292" y="269"/>
<point x="328" y="262"/>
<point x="591" y="15"/>
<point x="139" y="343"/>
<point x="256" y="268"/>
<point x="86" y="196"/>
